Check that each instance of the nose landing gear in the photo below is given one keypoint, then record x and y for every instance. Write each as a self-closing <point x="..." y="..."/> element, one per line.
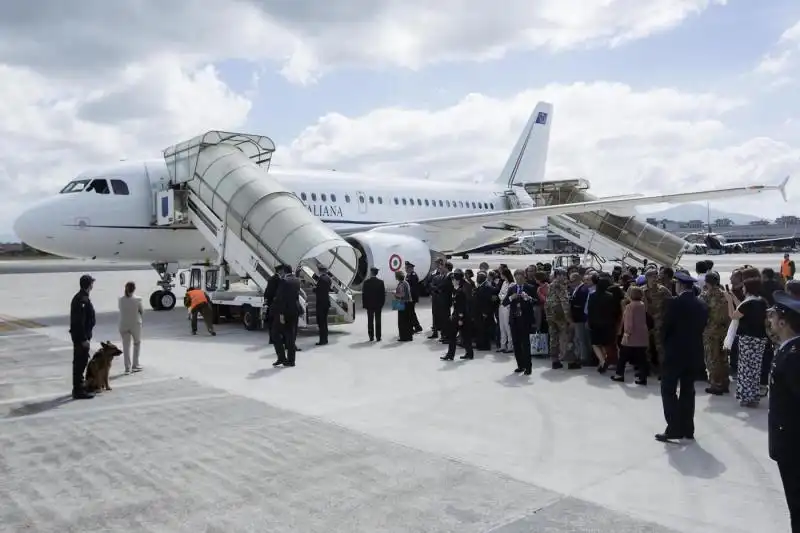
<point x="164" y="299"/>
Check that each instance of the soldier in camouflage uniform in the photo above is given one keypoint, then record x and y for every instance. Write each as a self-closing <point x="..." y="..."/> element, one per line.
<point x="557" y="311"/>
<point x="655" y="297"/>
<point x="714" y="335"/>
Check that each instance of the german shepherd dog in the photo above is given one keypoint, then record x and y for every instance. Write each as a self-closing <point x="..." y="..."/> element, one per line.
<point x="99" y="367"/>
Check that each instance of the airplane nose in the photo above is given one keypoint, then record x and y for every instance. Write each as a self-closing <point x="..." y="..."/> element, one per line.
<point x="30" y="227"/>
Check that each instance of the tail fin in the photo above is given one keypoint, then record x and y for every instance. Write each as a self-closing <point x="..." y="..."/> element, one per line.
<point x="527" y="161"/>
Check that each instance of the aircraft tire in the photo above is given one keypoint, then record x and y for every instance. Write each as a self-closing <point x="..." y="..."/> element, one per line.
<point x="166" y="301"/>
<point x="155" y="300"/>
<point x="250" y="316"/>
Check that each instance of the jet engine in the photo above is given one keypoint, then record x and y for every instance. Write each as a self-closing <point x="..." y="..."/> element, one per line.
<point x="389" y="252"/>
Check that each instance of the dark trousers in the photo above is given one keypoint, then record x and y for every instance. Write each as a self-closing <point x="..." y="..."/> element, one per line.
<point x="322" y="322"/>
<point x="412" y="316"/>
<point x="443" y="320"/>
<point x="790" y="475"/>
<point x="80" y="358"/>
<point x="678" y="409"/>
<point x="205" y="311"/>
<point x="404" y="329"/>
<point x="484" y="331"/>
<point x="284" y="338"/>
<point x="374" y="324"/>
<point x="637" y="356"/>
<point x="521" y="339"/>
<point x="465" y="329"/>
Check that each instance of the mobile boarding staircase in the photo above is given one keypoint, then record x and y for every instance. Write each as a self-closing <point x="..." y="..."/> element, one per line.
<point x="220" y="182"/>
<point x="611" y="237"/>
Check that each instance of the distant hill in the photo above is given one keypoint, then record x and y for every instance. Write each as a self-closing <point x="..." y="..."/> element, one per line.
<point x="8" y="237"/>
<point x="686" y="212"/>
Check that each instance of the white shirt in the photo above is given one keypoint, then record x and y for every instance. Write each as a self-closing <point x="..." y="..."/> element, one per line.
<point x="130" y="311"/>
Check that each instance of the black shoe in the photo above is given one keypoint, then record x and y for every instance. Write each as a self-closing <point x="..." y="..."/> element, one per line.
<point x="278" y="363"/>
<point x="378" y="339"/>
<point x="557" y="365"/>
<point x="574" y="366"/>
<point x="321" y="343"/>
<point x="641" y="381"/>
<point x="618" y="379"/>
<point x="447" y="357"/>
<point x="213" y="333"/>
<point x="287" y="364"/>
<point x="82" y="395"/>
<point x="663" y="437"/>
<point x="371" y="339"/>
<point x="433" y="336"/>
<point x="602" y="368"/>
<point x="467" y="357"/>
<point x="689" y="437"/>
<point x="517" y="371"/>
<point x="296" y="349"/>
<point x="417" y="330"/>
<point x="715" y="391"/>
<point x="194" y="333"/>
<point x="527" y="372"/>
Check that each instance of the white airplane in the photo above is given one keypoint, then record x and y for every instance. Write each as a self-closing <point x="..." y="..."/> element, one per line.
<point x="719" y="242"/>
<point x="111" y="213"/>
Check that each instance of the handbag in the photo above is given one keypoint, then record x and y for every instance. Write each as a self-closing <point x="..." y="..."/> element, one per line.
<point x="398" y="305"/>
<point x="539" y="345"/>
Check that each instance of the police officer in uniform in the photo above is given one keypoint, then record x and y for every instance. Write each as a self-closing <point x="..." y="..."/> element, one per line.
<point x="322" y="291"/>
<point x="285" y="314"/>
<point x="685" y="319"/>
<point x="81" y="324"/>
<point x="461" y="320"/>
<point x="414" y="283"/>
<point x="784" y="399"/>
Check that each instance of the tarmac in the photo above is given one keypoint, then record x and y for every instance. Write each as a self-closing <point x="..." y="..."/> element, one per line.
<point x="359" y="437"/>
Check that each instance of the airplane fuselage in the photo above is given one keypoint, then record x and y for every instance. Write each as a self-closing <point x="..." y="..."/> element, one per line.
<point x="110" y="216"/>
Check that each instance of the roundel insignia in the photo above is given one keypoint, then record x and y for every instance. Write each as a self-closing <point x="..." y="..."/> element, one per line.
<point x="395" y="262"/>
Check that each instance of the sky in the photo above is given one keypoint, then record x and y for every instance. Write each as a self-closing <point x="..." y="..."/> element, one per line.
<point x="650" y="95"/>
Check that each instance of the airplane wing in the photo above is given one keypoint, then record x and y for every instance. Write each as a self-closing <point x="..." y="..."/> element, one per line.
<point x="760" y="241"/>
<point x="516" y="218"/>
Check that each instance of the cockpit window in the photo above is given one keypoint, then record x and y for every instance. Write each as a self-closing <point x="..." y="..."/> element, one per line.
<point x="119" y="187"/>
<point x="99" y="186"/>
<point x="75" y="186"/>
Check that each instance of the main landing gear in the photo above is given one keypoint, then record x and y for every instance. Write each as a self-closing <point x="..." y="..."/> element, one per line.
<point x="164" y="299"/>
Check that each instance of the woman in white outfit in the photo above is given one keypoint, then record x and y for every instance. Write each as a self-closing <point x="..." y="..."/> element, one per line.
<point x="130" y="326"/>
<point x="503" y="314"/>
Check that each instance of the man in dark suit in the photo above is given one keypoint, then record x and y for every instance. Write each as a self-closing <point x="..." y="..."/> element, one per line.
<point x="269" y="294"/>
<point x="285" y="313"/>
<point x="685" y="318"/>
<point x="577" y="307"/>
<point x="414" y="283"/>
<point x="485" y="298"/>
<point x="322" y="291"/>
<point x="373" y="298"/>
<point x="784" y="399"/>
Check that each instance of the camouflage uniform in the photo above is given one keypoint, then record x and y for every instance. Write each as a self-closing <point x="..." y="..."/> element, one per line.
<point x="557" y="311"/>
<point x="713" y="337"/>
<point x="655" y="298"/>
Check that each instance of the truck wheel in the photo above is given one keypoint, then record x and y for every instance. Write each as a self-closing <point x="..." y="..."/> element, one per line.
<point x="250" y="318"/>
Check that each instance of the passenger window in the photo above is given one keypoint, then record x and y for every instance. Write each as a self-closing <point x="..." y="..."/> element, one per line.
<point x="396" y="201"/>
<point x="491" y="206"/>
<point x="419" y="202"/>
<point x="404" y="201"/>
<point x="303" y="196"/>
<point x="371" y="200"/>
<point x="99" y="186"/>
<point x="474" y="206"/>
<point x="347" y="198"/>
<point x="426" y="202"/>
<point x="74" y="186"/>
<point x="460" y="204"/>
<point x="448" y="203"/>
<point x="441" y="204"/>
<point x="119" y="187"/>
<point x="333" y="198"/>
<point x="313" y="197"/>
<point x="323" y="197"/>
<point x="380" y="200"/>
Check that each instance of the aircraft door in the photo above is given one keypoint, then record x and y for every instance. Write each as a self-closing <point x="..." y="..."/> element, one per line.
<point x="361" y="198"/>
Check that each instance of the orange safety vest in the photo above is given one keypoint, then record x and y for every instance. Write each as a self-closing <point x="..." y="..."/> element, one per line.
<point x="786" y="269"/>
<point x="197" y="297"/>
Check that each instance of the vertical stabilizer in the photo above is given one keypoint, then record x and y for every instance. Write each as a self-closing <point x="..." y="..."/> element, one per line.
<point x="527" y="161"/>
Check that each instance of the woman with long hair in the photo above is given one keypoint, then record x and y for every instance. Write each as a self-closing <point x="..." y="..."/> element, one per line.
<point x="130" y="326"/>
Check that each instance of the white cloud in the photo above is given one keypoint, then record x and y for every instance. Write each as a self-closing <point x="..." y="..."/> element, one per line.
<point x="660" y="140"/>
<point x="783" y="60"/>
